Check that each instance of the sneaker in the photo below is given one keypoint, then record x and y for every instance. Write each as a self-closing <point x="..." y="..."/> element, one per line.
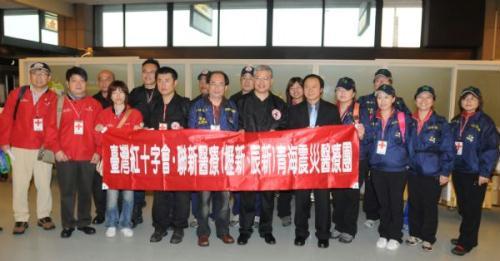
<point x="235" y="220"/>
<point x="382" y="242"/>
<point x="127" y="232"/>
<point x="111" y="232"/>
<point x="335" y="234"/>
<point x="392" y="245"/>
<point x="194" y="224"/>
<point x="345" y="238"/>
<point x="369" y="223"/>
<point x="413" y="241"/>
<point x="19" y="228"/>
<point x="46" y="223"/>
<point x="426" y="246"/>
<point x="286" y="221"/>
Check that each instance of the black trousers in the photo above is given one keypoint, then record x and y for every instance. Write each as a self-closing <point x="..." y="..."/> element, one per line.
<point x="322" y="212"/>
<point x="389" y="187"/>
<point x="75" y="180"/>
<point x="284" y="203"/>
<point x="170" y="209"/>
<point x="99" y="195"/>
<point x="248" y="210"/>
<point x="470" y="197"/>
<point x="370" y="201"/>
<point x="346" y="205"/>
<point x="423" y="199"/>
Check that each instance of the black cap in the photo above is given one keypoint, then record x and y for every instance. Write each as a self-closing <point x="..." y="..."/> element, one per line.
<point x="383" y="72"/>
<point x="247" y="69"/>
<point x="388" y="89"/>
<point x="39" y="66"/>
<point x="203" y="73"/>
<point x="425" y="88"/>
<point x="472" y="90"/>
<point x="347" y="83"/>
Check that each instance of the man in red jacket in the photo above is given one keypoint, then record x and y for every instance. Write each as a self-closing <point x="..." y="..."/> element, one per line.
<point x="28" y="115"/>
<point x="74" y="145"/>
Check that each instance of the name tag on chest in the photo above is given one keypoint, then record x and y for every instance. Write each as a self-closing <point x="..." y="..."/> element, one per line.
<point x="459" y="146"/>
<point x="38" y="124"/>
<point x="381" y="147"/>
<point x="78" y="127"/>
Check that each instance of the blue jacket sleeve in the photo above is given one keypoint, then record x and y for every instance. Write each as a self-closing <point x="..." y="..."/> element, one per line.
<point x="447" y="150"/>
<point x="488" y="148"/>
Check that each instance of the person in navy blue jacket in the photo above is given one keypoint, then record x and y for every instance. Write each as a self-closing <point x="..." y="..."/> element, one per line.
<point x="387" y="138"/>
<point x="432" y="157"/>
<point x="346" y="201"/>
<point x="214" y="112"/>
<point x="476" y="145"/>
<point x="368" y="105"/>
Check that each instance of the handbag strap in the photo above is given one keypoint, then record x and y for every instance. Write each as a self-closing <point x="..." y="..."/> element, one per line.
<point x="124" y="119"/>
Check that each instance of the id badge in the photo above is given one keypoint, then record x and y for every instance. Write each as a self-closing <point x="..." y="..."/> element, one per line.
<point x="163" y="126"/>
<point x="381" y="147"/>
<point x="459" y="147"/>
<point x="38" y="124"/>
<point x="78" y="127"/>
<point x="215" y="127"/>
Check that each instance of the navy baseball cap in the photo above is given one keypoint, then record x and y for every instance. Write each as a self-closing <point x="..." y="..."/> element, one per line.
<point x="347" y="83"/>
<point x="203" y="73"/>
<point x="425" y="88"/>
<point x="247" y="69"/>
<point x="39" y="66"/>
<point x="388" y="89"/>
<point x="472" y="90"/>
<point x="383" y="72"/>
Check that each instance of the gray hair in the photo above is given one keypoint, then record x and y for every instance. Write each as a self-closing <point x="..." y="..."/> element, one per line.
<point x="263" y="67"/>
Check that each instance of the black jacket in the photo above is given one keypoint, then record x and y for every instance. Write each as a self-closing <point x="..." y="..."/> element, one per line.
<point x="177" y="111"/>
<point x="138" y="99"/>
<point x="298" y="115"/>
<point x="257" y="115"/>
<point x="105" y="103"/>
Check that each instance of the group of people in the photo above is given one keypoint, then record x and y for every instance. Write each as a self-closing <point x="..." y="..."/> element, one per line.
<point x="397" y="148"/>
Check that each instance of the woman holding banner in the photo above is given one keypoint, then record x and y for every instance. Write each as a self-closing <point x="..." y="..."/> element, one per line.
<point x="476" y="144"/>
<point x="431" y="162"/>
<point x="387" y="137"/>
<point x="118" y="116"/>
<point x="346" y="201"/>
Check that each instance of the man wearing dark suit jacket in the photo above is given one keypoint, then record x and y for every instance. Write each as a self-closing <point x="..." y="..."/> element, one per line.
<point x="312" y="112"/>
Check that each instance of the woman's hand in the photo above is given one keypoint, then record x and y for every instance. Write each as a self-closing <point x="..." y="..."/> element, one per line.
<point x="482" y="180"/>
<point x="95" y="158"/>
<point x="360" y="129"/>
<point x="443" y="180"/>
<point x="99" y="127"/>
<point x="61" y="156"/>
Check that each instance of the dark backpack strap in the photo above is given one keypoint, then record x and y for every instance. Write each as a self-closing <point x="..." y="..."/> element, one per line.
<point x="19" y="97"/>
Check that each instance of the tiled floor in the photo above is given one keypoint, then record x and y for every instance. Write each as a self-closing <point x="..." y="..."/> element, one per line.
<point x="37" y="244"/>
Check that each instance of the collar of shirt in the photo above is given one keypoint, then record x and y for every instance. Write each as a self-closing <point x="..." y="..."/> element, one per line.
<point x="75" y="98"/>
<point x="310" y="106"/>
<point x="37" y="95"/>
<point x="420" y="123"/>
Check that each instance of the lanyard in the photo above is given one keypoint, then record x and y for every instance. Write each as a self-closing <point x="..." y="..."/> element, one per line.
<point x="345" y="112"/>
<point x="420" y="123"/>
<point x="149" y="97"/>
<point x="78" y="115"/>
<point x="216" y="114"/>
<point x="463" y="124"/>
<point x="384" y="124"/>
<point x="165" y="109"/>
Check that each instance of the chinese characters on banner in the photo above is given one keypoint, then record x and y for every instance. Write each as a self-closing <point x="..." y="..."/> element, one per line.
<point x="195" y="160"/>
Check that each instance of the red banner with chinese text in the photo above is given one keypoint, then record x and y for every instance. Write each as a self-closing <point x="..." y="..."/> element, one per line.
<point x="197" y="160"/>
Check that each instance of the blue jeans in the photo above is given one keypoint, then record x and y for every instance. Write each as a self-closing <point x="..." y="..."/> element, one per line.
<point x="113" y="217"/>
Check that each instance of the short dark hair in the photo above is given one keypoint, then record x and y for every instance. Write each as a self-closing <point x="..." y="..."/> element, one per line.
<point x="76" y="70"/>
<point x="290" y="83"/>
<point x="211" y="73"/>
<point x="166" y="70"/>
<point x="151" y="61"/>
<point x="315" y="76"/>
<point x="118" y="85"/>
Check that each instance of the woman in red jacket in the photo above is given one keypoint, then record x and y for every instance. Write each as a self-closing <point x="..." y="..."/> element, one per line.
<point x="118" y="116"/>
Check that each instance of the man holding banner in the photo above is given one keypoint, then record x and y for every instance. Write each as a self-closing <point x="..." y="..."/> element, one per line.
<point x="313" y="112"/>
<point x="214" y="112"/>
<point x="260" y="110"/>
<point x="169" y="112"/>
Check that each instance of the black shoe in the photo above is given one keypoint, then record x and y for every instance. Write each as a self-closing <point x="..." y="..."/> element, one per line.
<point x="459" y="250"/>
<point x="454" y="241"/>
<point x="157" y="236"/>
<point x="323" y="243"/>
<point x="19" y="228"/>
<point x="177" y="236"/>
<point x="66" y="232"/>
<point x="299" y="241"/>
<point x="87" y="230"/>
<point x="243" y="239"/>
<point x="136" y="221"/>
<point x="269" y="238"/>
<point x="99" y="219"/>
